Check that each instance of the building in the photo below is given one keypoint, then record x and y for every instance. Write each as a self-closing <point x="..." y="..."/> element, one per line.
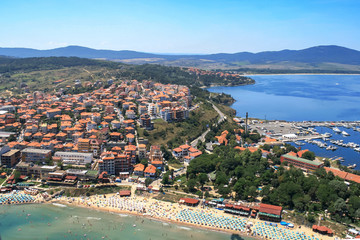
<point x="237" y="210"/>
<point x="150" y="171"/>
<point x="155" y="153"/>
<point x="3" y="149"/>
<point x="29" y="169"/>
<point x="11" y="158"/>
<point x="45" y="170"/>
<point x="145" y="122"/>
<point x="269" y="212"/>
<point x="75" y="158"/>
<point x="107" y="164"/>
<point x="139" y="170"/>
<point x="344" y="175"/>
<point x="301" y="162"/>
<point x="165" y="114"/>
<point x="35" y="155"/>
<point x="189" y="201"/>
<point x="84" y="145"/>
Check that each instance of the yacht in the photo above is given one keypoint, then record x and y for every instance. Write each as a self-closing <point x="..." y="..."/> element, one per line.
<point x="345" y="133"/>
<point x="352" y="165"/>
<point x="337" y="130"/>
<point x="327" y="135"/>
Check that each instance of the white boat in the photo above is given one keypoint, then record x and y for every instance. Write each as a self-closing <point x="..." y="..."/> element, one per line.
<point x="352" y="166"/>
<point x="345" y="133"/>
<point x="337" y="130"/>
<point x="327" y="135"/>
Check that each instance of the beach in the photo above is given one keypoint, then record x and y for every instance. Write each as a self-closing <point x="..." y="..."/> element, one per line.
<point x="198" y="217"/>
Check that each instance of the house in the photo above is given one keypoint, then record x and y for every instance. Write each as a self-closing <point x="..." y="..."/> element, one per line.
<point x="139" y="170"/>
<point x="150" y="171"/>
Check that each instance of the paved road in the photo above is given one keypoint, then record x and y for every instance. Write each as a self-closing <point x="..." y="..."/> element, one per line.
<point x="202" y="136"/>
<point x="221" y="114"/>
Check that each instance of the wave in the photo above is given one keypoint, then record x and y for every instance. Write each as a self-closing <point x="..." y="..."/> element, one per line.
<point x="93" y="218"/>
<point x="123" y="215"/>
<point x="185" y="228"/>
<point x="59" y="205"/>
<point x="165" y="224"/>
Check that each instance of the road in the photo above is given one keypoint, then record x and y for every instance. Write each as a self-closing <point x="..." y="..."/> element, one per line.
<point x="221" y="114"/>
<point x="202" y="136"/>
<point x="7" y="177"/>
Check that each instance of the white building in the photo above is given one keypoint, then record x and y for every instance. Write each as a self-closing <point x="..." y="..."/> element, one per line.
<point x="75" y="157"/>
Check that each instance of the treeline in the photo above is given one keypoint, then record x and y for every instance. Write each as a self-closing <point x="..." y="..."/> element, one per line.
<point x="11" y="65"/>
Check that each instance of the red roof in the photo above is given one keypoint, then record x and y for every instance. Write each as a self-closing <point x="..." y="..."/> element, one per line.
<point x="271" y="209"/>
<point x="189" y="200"/>
<point x="124" y="193"/>
<point x="322" y="229"/>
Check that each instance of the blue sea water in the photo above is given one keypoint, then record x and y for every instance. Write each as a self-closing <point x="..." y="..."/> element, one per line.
<point x="46" y="221"/>
<point x="303" y="97"/>
<point x="348" y="154"/>
<point x="298" y="97"/>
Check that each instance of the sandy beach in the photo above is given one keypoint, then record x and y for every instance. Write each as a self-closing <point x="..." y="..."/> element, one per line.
<point x="198" y="217"/>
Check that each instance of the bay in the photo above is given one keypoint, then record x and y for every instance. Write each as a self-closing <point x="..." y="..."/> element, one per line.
<point x="298" y="97"/>
<point x="47" y="221"/>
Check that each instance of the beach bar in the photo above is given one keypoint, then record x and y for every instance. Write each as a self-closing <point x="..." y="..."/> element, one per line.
<point x="125" y="193"/>
<point x="237" y="210"/>
<point x="322" y="230"/>
<point x="270" y="212"/>
<point x="189" y="201"/>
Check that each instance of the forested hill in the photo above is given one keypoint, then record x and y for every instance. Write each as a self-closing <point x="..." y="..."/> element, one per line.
<point x="57" y="72"/>
<point x="8" y="65"/>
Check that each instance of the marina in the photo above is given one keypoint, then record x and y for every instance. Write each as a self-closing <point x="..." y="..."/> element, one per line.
<point x="325" y="139"/>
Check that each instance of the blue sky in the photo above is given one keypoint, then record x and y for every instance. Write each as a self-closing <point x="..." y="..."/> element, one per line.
<point x="180" y="26"/>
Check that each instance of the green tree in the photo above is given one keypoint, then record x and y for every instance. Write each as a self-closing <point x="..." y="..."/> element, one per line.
<point x="308" y="155"/>
<point x="191" y="185"/>
<point x="17" y="175"/>
<point x="148" y="181"/>
<point x="203" y="178"/>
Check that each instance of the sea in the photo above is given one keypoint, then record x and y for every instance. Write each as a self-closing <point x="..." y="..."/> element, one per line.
<point x="57" y="221"/>
<point x="303" y="98"/>
<point x="298" y="97"/>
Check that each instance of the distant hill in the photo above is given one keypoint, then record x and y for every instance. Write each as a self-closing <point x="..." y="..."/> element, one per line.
<point x="313" y="57"/>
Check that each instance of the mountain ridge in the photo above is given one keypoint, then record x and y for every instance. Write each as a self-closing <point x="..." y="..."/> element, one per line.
<point x="316" y="54"/>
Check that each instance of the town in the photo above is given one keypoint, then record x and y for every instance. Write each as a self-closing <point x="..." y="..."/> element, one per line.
<point x="55" y="143"/>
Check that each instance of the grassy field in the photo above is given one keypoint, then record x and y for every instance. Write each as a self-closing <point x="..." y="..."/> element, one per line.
<point x="178" y="133"/>
<point x="44" y="79"/>
<point x="2" y="180"/>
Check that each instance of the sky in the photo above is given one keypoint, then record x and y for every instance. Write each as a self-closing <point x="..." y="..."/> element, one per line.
<point x="180" y="26"/>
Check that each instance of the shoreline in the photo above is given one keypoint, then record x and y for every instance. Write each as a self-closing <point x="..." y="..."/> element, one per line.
<point x="163" y="220"/>
<point x="275" y="74"/>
